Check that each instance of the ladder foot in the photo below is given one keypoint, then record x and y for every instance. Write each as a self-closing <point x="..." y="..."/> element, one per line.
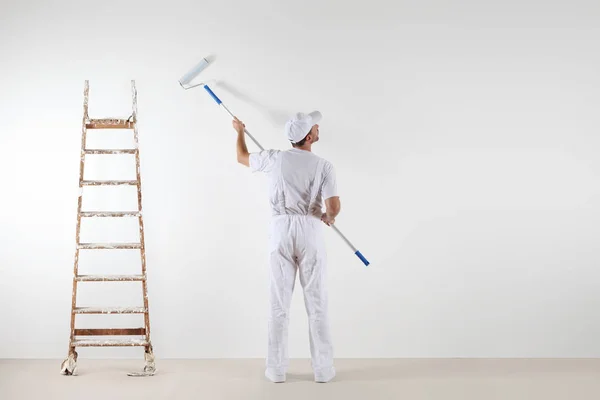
<point x="150" y="367"/>
<point x="69" y="365"/>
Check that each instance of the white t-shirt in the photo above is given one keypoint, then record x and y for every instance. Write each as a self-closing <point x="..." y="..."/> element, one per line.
<point x="292" y="174"/>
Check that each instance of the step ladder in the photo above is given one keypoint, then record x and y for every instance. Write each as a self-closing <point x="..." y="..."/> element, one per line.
<point x="139" y="336"/>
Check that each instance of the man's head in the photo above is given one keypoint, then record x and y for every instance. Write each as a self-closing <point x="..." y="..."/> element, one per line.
<point x="302" y="129"/>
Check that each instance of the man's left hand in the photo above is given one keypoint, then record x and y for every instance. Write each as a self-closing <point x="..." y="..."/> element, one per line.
<point x="238" y="125"/>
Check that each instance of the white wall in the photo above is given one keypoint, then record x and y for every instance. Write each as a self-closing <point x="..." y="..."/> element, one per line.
<point x="465" y="137"/>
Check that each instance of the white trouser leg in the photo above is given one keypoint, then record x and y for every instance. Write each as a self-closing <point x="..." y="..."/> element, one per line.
<point x="282" y="276"/>
<point x="312" y="265"/>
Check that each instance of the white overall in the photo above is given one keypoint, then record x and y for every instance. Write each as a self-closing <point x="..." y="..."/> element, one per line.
<point x="297" y="245"/>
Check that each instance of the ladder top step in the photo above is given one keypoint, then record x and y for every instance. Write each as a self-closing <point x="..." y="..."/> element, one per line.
<point x="109" y="343"/>
<point x="107" y="183"/>
<point x="109" y="310"/>
<point x="109" y="123"/>
<point x="110" y="278"/>
<point x="110" y="214"/>
<point x="109" y="151"/>
<point x="109" y="246"/>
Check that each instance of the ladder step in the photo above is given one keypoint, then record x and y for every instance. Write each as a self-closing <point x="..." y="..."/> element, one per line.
<point x="110" y="278"/>
<point x="109" y="151"/>
<point x="109" y="343"/>
<point x="110" y="214"/>
<point x="110" y="332"/>
<point x="109" y="246"/>
<point x="109" y="310"/>
<point x="107" y="183"/>
<point x="109" y="123"/>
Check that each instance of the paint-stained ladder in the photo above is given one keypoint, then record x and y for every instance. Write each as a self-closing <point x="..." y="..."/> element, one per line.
<point x="143" y="334"/>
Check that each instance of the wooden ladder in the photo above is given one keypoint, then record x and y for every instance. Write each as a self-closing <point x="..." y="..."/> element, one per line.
<point x="135" y="336"/>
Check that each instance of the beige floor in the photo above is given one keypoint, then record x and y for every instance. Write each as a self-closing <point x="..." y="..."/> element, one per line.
<point x="409" y="379"/>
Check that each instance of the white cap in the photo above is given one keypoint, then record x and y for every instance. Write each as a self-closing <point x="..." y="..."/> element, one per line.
<point x="300" y="125"/>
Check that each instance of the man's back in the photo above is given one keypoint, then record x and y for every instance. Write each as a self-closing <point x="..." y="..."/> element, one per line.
<point x="299" y="180"/>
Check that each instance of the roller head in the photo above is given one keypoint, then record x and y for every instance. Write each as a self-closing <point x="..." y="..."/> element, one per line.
<point x="186" y="80"/>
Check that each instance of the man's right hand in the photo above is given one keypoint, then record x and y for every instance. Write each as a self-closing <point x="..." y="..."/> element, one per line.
<point x="332" y="208"/>
<point x="327" y="219"/>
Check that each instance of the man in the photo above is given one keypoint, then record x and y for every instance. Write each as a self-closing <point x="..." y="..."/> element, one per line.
<point x="299" y="183"/>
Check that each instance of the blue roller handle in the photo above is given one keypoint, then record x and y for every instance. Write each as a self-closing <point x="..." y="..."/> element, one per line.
<point x="362" y="258"/>
<point x="213" y="95"/>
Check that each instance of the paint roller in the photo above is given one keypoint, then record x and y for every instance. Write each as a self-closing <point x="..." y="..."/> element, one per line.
<point x="187" y="82"/>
